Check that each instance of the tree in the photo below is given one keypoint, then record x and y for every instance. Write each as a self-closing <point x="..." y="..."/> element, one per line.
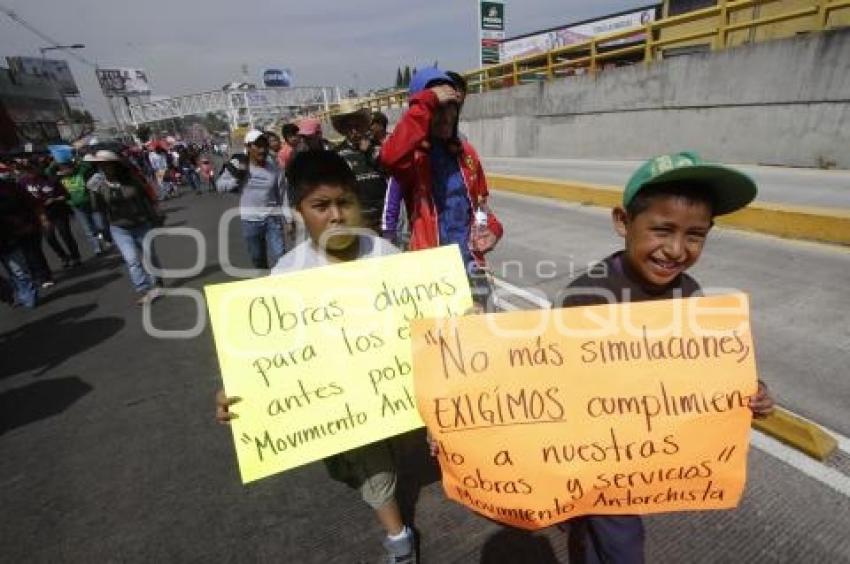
<point x="406" y="80"/>
<point x="399" y="79"/>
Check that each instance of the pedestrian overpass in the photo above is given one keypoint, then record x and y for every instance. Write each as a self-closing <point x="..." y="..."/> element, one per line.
<point x="249" y="106"/>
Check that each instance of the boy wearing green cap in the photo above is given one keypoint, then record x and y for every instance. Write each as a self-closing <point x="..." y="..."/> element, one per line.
<point x="668" y="209"/>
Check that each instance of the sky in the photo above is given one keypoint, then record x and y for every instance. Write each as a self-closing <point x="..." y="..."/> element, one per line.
<point x="189" y="46"/>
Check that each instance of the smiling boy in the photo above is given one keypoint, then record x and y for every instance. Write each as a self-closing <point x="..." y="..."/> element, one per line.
<point x="667" y="212"/>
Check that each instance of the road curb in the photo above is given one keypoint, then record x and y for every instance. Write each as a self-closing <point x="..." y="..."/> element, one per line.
<point x="794" y="222"/>
<point x="798" y="433"/>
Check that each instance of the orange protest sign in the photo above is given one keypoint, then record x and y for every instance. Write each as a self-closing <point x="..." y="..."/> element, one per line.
<point x="632" y="408"/>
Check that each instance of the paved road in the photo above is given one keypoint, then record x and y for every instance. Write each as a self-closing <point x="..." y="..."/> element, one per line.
<point x="110" y="454"/>
<point x="804" y="187"/>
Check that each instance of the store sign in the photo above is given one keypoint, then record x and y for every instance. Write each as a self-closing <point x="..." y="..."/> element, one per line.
<point x="541" y="42"/>
<point x="491" y="31"/>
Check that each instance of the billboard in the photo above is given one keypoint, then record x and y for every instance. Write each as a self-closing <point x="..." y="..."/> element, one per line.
<point x="123" y="82"/>
<point x="54" y="70"/>
<point x="491" y="31"/>
<point x="277" y="78"/>
<point x="511" y="49"/>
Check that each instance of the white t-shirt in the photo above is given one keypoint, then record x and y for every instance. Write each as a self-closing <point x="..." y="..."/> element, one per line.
<point x="308" y="255"/>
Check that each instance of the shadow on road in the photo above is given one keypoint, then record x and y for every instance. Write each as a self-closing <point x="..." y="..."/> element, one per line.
<point x="68" y="333"/>
<point x="94" y="283"/>
<point x="39" y="400"/>
<point x="513" y="546"/>
<point x="416" y="470"/>
<point x="88" y="267"/>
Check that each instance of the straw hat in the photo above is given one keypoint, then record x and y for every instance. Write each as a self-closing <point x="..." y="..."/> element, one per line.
<point x="348" y="112"/>
<point x="102" y="156"/>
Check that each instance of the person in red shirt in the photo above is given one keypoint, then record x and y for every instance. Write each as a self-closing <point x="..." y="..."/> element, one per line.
<point x="441" y="177"/>
<point x="289" y="131"/>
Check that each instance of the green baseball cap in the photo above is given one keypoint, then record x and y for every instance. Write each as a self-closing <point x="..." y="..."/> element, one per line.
<point x="730" y="189"/>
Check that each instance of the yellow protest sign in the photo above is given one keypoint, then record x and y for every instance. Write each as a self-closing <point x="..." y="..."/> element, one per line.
<point x="634" y="408"/>
<point x="321" y="357"/>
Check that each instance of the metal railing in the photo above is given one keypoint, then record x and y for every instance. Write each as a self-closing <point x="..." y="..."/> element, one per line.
<point x="238" y="105"/>
<point x="589" y="56"/>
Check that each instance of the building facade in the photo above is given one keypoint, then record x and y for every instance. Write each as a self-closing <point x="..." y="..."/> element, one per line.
<point x="31" y="111"/>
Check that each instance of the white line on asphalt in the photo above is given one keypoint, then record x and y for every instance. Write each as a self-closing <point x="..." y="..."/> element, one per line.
<point x="523" y="293"/>
<point x="796" y="459"/>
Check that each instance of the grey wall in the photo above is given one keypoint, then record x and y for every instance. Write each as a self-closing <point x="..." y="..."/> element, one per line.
<point x="781" y="102"/>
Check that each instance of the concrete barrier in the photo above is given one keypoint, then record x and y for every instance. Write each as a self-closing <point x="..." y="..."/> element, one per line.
<point x="803" y="435"/>
<point x="795" y="222"/>
<point x="783" y="102"/>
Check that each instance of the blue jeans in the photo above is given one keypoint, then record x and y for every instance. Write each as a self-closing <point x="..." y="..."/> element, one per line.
<point x="92" y="224"/>
<point x="191" y="176"/>
<point x="258" y="234"/>
<point x="601" y="539"/>
<point x="129" y="241"/>
<point x="26" y="292"/>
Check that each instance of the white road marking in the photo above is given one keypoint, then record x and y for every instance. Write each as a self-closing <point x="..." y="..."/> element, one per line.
<point x="805" y="464"/>
<point x="528" y="296"/>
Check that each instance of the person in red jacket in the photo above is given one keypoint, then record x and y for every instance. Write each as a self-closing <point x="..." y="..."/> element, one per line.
<point x="442" y="180"/>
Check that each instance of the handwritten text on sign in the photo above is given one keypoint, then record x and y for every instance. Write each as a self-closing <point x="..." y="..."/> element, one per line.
<point x="546" y="415"/>
<point x="321" y="357"/>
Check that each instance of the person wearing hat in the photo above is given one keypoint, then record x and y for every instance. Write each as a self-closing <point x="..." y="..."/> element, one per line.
<point x="122" y="196"/>
<point x="310" y="135"/>
<point x="441" y="178"/>
<point x="261" y="203"/>
<point x="668" y="209"/>
<point x="361" y="154"/>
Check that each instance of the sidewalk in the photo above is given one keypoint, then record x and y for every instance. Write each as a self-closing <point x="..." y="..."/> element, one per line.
<point x="789" y="186"/>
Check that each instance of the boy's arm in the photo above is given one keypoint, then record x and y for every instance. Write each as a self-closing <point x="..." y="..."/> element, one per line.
<point x="762" y="404"/>
<point x="222" y="407"/>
